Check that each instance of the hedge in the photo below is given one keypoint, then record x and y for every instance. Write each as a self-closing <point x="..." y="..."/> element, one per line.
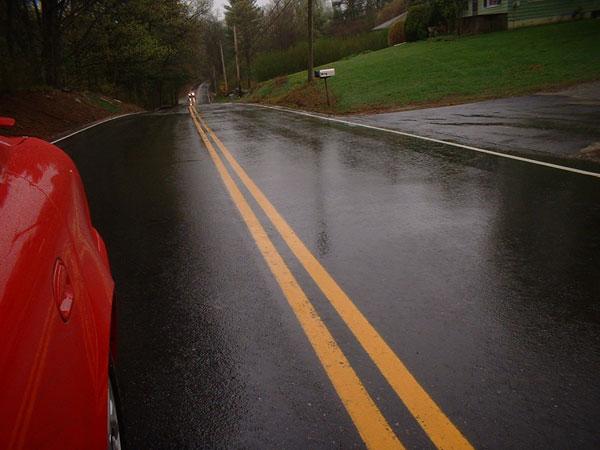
<point x="272" y="64"/>
<point x="417" y="21"/>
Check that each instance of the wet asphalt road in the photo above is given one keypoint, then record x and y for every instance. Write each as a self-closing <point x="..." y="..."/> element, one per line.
<point x="481" y="273"/>
<point x="563" y="124"/>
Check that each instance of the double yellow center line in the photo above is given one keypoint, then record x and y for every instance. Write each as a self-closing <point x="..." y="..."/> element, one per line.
<point x="368" y="419"/>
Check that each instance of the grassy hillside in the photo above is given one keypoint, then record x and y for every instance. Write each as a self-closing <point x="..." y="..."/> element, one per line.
<point x="450" y="71"/>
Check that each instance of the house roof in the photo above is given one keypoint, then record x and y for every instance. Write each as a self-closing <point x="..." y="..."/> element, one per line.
<point x="389" y="23"/>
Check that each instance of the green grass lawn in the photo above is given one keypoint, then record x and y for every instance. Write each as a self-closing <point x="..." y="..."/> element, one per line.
<point x="449" y="71"/>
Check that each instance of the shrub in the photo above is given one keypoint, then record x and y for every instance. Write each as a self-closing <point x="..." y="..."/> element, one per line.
<point x="392" y="9"/>
<point x="417" y="21"/>
<point x="268" y="65"/>
<point x="345" y="28"/>
<point x="448" y="13"/>
<point x="396" y="33"/>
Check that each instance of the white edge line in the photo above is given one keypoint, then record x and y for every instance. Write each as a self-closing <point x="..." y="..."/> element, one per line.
<point x="93" y="125"/>
<point x="438" y="141"/>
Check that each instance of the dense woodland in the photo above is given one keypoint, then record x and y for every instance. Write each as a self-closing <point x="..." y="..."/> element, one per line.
<point x="141" y="50"/>
<point x="147" y="51"/>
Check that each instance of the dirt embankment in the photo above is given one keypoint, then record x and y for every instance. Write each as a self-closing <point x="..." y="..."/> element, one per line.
<point x="51" y="113"/>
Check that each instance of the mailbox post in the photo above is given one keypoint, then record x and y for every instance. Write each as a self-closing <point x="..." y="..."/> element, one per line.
<point x="324" y="74"/>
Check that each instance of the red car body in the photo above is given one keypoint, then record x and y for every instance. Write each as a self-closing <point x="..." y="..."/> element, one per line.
<point x="56" y="294"/>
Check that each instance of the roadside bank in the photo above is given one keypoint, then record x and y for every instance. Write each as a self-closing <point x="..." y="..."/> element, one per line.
<point x="51" y="113"/>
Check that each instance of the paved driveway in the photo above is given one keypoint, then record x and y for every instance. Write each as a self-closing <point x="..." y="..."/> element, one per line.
<point x="563" y="124"/>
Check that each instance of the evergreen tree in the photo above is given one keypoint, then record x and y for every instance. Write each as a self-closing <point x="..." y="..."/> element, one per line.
<point x="246" y="16"/>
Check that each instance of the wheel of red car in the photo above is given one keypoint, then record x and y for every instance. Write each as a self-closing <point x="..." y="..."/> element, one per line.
<point x="114" y="435"/>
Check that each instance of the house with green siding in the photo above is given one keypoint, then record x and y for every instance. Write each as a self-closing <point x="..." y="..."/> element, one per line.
<point x="490" y="15"/>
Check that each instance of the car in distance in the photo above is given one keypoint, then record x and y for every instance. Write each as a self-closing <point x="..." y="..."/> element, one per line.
<point x="56" y="306"/>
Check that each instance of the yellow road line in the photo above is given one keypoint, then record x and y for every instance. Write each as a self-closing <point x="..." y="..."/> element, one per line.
<point x="368" y="419"/>
<point x="442" y="432"/>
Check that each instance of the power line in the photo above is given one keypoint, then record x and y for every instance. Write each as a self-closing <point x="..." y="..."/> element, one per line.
<point x="272" y="21"/>
<point x="262" y="32"/>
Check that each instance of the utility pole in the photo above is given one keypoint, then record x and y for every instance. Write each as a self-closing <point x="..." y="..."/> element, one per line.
<point x="237" y="63"/>
<point x="310" y="41"/>
<point x="224" y="71"/>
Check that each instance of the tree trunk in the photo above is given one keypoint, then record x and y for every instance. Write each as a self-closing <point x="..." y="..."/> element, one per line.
<point x="310" y="41"/>
<point x="10" y="13"/>
<point x="224" y="70"/>
<point x="237" y="63"/>
<point x="248" y="69"/>
<point x="50" y="42"/>
<point x="215" y="81"/>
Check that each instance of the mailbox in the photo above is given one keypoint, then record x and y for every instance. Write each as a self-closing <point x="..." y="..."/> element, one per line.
<point x="324" y="73"/>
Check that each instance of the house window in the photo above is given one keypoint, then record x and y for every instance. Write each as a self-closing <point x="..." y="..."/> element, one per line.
<point x="491" y="3"/>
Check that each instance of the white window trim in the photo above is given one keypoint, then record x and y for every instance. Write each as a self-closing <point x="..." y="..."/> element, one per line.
<point x="491" y="6"/>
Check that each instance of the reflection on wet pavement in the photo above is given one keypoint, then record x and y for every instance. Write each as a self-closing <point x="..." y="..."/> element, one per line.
<point x="483" y="274"/>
